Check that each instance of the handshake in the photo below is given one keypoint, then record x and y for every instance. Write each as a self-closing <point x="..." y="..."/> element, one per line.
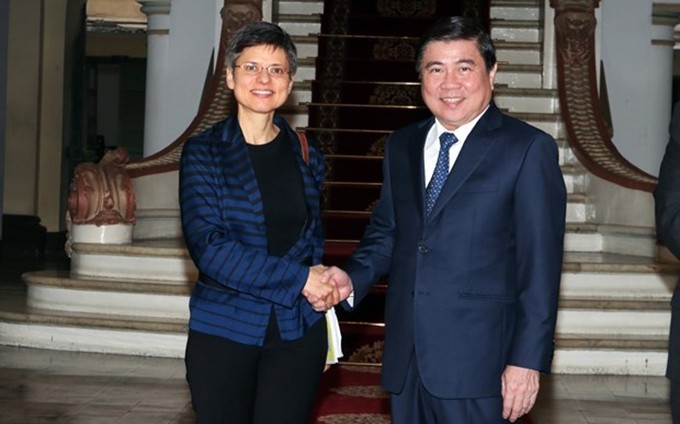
<point x="326" y="287"/>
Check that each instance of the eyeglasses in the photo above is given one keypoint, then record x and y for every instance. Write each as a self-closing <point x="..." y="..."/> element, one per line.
<point x="274" y="71"/>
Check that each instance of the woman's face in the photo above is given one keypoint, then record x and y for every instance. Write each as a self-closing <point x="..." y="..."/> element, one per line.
<point x="264" y="91"/>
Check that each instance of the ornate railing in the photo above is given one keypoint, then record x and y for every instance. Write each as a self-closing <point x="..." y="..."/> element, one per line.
<point x="585" y="124"/>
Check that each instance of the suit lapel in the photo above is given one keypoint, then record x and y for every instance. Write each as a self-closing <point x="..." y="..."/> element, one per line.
<point x="238" y="154"/>
<point x="476" y="147"/>
<point x="414" y="156"/>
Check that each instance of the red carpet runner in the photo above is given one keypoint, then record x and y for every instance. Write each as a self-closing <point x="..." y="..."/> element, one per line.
<point x="352" y="394"/>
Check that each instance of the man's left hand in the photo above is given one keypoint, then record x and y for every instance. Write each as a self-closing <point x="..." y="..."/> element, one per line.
<point x="519" y="390"/>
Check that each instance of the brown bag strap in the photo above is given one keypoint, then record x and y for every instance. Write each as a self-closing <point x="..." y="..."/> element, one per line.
<point x="304" y="146"/>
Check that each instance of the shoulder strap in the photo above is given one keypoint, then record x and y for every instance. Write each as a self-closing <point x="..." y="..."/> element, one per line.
<point x="304" y="146"/>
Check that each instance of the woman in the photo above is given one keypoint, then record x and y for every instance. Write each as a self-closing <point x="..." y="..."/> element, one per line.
<point x="250" y="207"/>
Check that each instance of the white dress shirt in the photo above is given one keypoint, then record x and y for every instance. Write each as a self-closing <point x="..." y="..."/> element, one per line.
<point x="432" y="145"/>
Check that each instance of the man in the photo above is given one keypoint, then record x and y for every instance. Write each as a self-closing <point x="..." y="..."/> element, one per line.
<point x="473" y="283"/>
<point x="667" y="206"/>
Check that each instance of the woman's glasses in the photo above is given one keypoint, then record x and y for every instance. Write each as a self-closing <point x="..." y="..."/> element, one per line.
<point x="252" y="69"/>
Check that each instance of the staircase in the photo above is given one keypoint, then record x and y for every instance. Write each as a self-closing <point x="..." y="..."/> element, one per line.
<point x="132" y="299"/>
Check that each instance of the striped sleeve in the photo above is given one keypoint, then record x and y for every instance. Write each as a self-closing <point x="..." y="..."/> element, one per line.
<point x="233" y="253"/>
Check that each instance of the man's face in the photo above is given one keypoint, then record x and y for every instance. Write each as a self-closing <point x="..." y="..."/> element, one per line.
<point x="455" y="84"/>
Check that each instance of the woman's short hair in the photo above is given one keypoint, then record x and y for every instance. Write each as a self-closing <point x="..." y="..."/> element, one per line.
<point x="258" y="34"/>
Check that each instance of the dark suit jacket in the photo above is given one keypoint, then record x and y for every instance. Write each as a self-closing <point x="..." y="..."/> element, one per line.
<point x="474" y="287"/>
<point x="667" y="208"/>
<point x="225" y="233"/>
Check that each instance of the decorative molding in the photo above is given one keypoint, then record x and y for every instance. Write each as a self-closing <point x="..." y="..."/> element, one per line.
<point x="155" y="7"/>
<point x="102" y="194"/>
<point x="580" y="106"/>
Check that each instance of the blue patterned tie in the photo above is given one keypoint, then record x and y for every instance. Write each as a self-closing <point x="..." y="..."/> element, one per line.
<point x="441" y="171"/>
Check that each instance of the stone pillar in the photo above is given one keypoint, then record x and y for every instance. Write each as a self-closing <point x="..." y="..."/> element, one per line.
<point x="158" y="51"/>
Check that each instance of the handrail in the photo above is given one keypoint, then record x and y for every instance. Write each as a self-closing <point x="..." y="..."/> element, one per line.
<point x="580" y="106"/>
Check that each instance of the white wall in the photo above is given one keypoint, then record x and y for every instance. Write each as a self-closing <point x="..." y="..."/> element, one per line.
<point x="639" y="77"/>
<point x="192" y="39"/>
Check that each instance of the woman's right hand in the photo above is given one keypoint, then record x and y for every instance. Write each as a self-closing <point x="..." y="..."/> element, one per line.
<point x="322" y="296"/>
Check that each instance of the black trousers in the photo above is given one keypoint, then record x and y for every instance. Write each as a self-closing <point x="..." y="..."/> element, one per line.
<point x="240" y="384"/>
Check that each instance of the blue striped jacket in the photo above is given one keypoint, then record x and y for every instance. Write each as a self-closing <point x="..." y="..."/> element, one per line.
<point x="224" y="229"/>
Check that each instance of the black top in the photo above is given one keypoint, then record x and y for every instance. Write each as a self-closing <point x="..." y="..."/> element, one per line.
<point x="282" y="192"/>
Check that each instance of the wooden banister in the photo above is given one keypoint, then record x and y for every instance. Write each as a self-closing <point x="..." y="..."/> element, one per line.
<point x="580" y="106"/>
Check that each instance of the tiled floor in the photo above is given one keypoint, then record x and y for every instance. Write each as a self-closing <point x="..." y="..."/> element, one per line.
<point x="40" y="386"/>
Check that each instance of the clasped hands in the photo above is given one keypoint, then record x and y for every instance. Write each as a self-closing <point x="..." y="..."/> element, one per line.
<point x="326" y="287"/>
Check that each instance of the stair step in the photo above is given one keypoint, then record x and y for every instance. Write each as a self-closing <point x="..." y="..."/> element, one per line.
<point x="307" y="45"/>
<point x="355" y="168"/>
<point x="351" y="141"/>
<point x="574" y="354"/>
<point x="150" y="260"/>
<point x="296" y="18"/>
<point x="359" y="141"/>
<point x="342" y="240"/>
<point x="389" y="26"/>
<point x="302" y="24"/>
<point x="360" y="69"/>
<point x="343" y="48"/>
<point x="368" y="92"/>
<point x="376" y="117"/>
<point x="298" y="7"/>
<point x="527" y="100"/>
<point x="519" y="52"/>
<point x="392" y="117"/>
<point x="395" y="9"/>
<point x="599" y="294"/>
<point x="356" y="331"/>
<point x="21" y="314"/>
<point x="608" y="341"/>
<point x="92" y="332"/>
<point x="63" y="291"/>
<point x="519" y="76"/>
<point x="645" y="362"/>
<point x="516" y="3"/>
<point x="597" y="321"/>
<point x="516" y="10"/>
<point x="521" y="31"/>
<point x="368" y="168"/>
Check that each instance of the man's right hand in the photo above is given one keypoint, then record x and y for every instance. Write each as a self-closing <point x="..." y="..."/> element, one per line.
<point x="319" y="293"/>
<point x="341" y="280"/>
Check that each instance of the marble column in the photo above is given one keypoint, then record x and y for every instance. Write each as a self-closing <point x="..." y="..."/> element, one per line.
<point x="157" y="68"/>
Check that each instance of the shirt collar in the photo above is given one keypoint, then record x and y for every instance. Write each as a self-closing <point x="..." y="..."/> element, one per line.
<point x="461" y="132"/>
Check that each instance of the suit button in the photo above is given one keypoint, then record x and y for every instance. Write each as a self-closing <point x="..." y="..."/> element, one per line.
<point x="422" y="249"/>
